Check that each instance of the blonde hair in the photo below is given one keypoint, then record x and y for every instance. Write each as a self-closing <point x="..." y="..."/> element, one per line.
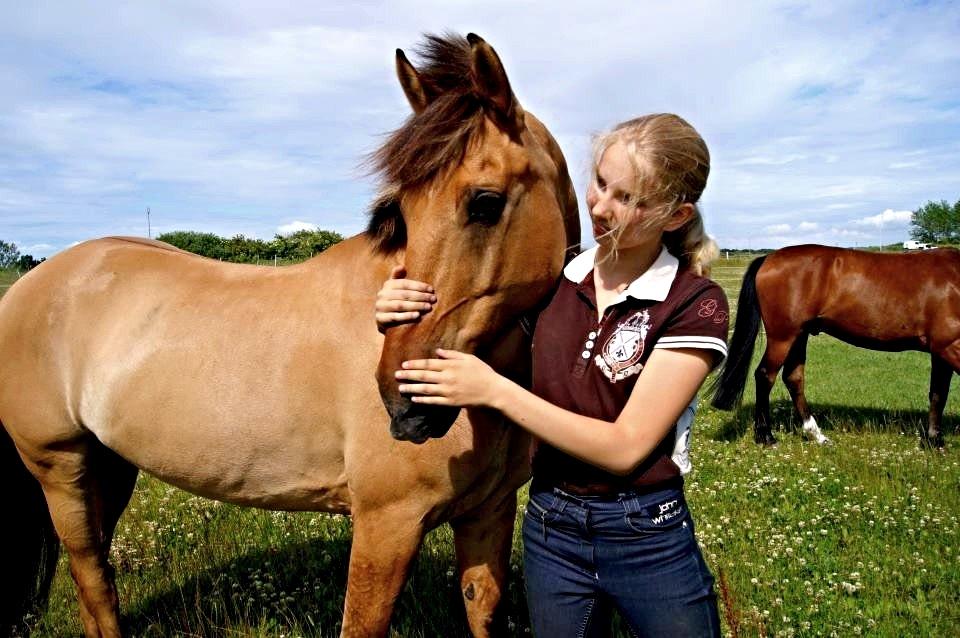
<point x="671" y="164"/>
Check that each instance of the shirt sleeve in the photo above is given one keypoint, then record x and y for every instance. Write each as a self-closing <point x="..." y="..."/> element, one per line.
<point x="700" y="322"/>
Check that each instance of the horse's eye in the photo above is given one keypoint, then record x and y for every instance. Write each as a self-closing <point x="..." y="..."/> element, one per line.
<point x="485" y="207"/>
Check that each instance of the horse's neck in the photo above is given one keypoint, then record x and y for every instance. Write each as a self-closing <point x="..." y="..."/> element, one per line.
<point x="350" y="267"/>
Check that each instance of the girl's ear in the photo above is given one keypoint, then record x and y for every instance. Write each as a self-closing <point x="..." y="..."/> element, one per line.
<point x="681" y="216"/>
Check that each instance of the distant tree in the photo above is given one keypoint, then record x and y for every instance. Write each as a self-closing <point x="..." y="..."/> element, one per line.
<point x="9" y="255"/>
<point x="243" y="249"/>
<point x="206" y="244"/>
<point x="304" y="244"/>
<point x="26" y="262"/>
<point x="936" y="223"/>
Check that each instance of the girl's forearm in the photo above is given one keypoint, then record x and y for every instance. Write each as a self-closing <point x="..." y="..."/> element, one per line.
<point x="669" y="382"/>
<point x="610" y="446"/>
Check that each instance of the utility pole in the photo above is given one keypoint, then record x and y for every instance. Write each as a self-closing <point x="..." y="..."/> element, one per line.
<point x="149" y="233"/>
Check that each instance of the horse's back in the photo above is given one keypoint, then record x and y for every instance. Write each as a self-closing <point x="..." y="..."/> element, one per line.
<point x="886" y="301"/>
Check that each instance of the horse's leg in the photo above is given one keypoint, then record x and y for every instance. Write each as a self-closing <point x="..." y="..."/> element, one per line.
<point x="793" y="378"/>
<point x="385" y="542"/>
<point x="941" y="373"/>
<point x="765" y="376"/>
<point x="484" y="540"/>
<point x="87" y="487"/>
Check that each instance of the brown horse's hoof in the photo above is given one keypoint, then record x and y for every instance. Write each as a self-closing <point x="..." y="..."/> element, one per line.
<point x="765" y="439"/>
<point x="936" y="443"/>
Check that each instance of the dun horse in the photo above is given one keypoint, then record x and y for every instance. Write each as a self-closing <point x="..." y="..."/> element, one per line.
<point x="261" y="386"/>
<point x="890" y="302"/>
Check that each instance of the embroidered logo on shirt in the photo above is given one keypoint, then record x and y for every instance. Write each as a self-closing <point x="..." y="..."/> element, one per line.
<point x="707" y="308"/>
<point x="619" y="357"/>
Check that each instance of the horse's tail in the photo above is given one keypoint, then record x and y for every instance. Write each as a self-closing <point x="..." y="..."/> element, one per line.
<point x="29" y="546"/>
<point x="728" y="387"/>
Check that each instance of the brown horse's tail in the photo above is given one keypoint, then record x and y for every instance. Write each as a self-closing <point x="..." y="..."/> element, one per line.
<point x="728" y="387"/>
<point x="29" y="546"/>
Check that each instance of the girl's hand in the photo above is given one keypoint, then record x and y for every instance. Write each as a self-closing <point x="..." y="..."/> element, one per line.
<point x="402" y="300"/>
<point x="455" y="379"/>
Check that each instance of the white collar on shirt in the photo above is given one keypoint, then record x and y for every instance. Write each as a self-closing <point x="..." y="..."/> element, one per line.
<point x="654" y="284"/>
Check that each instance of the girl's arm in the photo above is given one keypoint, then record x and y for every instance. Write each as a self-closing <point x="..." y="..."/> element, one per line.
<point x="669" y="381"/>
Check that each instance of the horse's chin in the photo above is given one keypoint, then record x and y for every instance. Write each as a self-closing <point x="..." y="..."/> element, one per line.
<point x="418" y="423"/>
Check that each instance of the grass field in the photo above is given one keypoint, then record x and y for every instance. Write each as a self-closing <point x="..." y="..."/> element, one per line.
<point x="857" y="538"/>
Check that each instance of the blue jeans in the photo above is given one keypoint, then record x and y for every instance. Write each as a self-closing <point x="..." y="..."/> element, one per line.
<point x="586" y="555"/>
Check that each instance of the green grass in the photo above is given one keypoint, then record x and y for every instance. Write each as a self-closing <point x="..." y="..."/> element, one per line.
<point x="856" y="538"/>
<point x="7" y="277"/>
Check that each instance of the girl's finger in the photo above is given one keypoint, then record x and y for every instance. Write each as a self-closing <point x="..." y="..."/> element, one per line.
<point x="437" y="365"/>
<point x="451" y="354"/>
<point x="396" y="317"/>
<point x="431" y="400"/>
<point x="399" y="305"/>
<point x="398" y="272"/>
<point x="407" y="284"/>
<point x="426" y="376"/>
<point x="419" y="388"/>
<point x="413" y="295"/>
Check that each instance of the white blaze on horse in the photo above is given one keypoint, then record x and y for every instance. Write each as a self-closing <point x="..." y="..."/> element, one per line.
<point x="259" y="385"/>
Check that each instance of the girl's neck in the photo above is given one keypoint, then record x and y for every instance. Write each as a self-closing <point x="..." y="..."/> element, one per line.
<point x="614" y="272"/>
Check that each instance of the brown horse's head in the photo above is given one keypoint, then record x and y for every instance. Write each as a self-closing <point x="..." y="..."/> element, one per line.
<point x="477" y="201"/>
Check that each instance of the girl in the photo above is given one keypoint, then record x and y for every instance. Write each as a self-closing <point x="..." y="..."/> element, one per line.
<point x="618" y="357"/>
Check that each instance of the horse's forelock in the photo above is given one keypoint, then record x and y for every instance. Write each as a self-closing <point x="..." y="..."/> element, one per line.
<point x="446" y="64"/>
<point x="437" y="137"/>
<point x="387" y="231"/>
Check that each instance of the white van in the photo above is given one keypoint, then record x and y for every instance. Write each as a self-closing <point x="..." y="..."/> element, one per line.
<point x="915" y="245"/>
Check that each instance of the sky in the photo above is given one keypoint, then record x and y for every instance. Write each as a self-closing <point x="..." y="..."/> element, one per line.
<point x="827" y="122"/>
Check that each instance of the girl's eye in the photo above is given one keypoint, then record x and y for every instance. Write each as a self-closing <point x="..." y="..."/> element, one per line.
<point x="626" y="198"/>
<point x="602" y="185"/>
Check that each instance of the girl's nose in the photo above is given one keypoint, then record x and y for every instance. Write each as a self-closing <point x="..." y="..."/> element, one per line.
<point x="599" y="207"/>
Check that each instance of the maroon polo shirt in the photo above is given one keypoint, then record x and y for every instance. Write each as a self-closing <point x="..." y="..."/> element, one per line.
<point x="590" y="367"/>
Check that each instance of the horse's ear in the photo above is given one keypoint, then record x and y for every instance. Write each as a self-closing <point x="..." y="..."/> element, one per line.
<point x="490" y="81"/>
<point x="387" y="231"/>
<point x="411" y="84"/>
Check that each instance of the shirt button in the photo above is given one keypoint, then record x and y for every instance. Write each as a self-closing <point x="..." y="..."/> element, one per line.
<point x="585" y="354"/>
<point x="592" y="335"/>
<point x="588" y="345"/>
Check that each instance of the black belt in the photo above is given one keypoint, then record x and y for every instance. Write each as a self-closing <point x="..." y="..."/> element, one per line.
<point x="610" y="489"/>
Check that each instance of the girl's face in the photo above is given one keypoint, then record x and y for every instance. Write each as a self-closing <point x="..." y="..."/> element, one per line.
<point x="613" y="204"/>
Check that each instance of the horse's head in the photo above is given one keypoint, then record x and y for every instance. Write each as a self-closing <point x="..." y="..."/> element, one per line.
<point x="477" y="201"/>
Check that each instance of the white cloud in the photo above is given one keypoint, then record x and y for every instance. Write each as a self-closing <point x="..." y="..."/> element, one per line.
<point x="889" y="216"/>
<point x="294" y="226"/>
<point x="900" y="165"/>
<point x="807" y="226"/>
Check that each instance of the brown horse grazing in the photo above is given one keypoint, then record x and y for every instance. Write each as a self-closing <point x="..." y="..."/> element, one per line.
<point x="256" y="385"/>
<point x="890" y="302"/>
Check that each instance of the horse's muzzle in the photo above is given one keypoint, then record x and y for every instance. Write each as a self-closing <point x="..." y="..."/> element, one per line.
<point x="417" y="423"/>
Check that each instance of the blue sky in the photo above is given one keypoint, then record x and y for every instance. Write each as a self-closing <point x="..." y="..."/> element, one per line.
<point x="827" y="122"/>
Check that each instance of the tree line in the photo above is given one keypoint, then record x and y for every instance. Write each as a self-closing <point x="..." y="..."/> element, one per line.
<point x="293" y="247"/>
<point x="10" y="257"/>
